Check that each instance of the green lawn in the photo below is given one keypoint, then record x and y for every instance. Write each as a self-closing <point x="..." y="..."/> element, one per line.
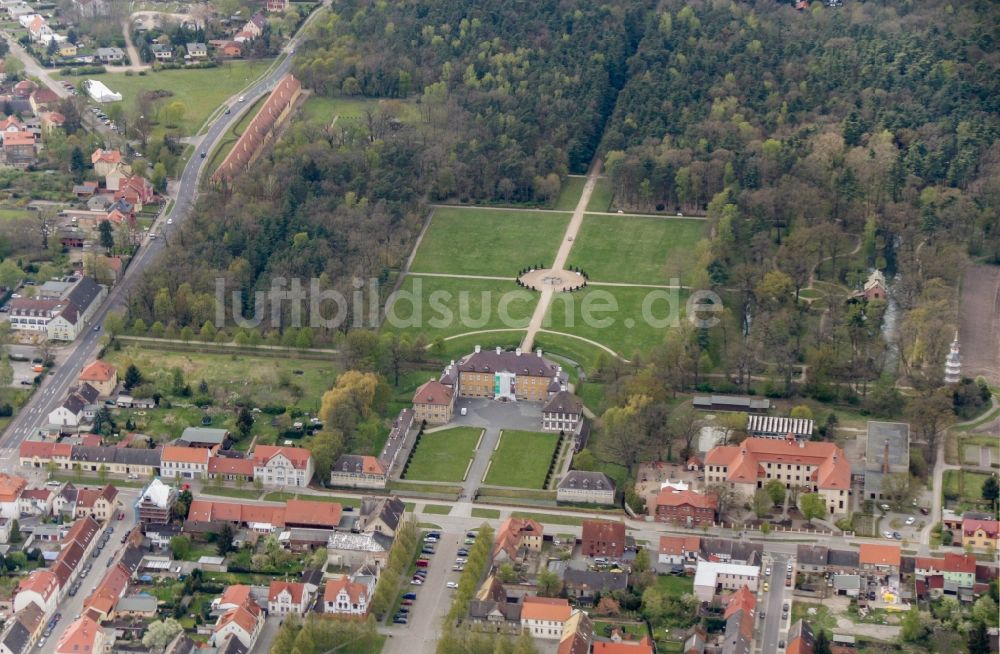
<point x="441" y="306"/>
<point x="444" y="455"/>
<point x="580" y="352"/>
<point x="201" y="91"/>
<point x="494" y="242"/>
<point x="233" y="134"/>
<point x="437" y="509"/>
<point x="636" y="629"/>
<point x="324" y="109"/>
<point x="968" y="486"/>
<point x="569" y="196"/>
<point x="614" y="316"/>
<point x="492" y="514"/>
<point x="592" y="394"/>
<point x="675" y="586"/>
<point x="14" y="214"/>
<point x="459" y="347"/>
<point x="522" y="459"/>
<point x="600" y="199"/>
<point x="820" y="619"/>
<point x="636" y="249"/>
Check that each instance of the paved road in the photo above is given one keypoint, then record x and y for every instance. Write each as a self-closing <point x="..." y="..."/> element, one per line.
<point x="433" y="601"/>
<point x="33" y="415"/>
<point x="775" y="628"/>
<point x="70" y="607"/>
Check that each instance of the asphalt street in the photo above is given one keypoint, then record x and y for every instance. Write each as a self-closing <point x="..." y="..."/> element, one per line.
<point x="771" y="602"/>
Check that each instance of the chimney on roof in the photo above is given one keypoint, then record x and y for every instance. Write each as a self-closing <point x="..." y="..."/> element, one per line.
<point x="478" y="349"/>
<point x="885" y="458"/>
<point x="498" y="349"/>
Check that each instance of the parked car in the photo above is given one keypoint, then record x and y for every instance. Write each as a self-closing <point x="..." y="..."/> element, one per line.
<point x="910" y="520"/>
<point x="422" y="563"/>
<point x="452" y="584"/>
<point x="410" y="596"/>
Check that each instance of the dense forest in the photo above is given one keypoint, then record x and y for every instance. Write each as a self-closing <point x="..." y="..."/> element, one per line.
<point x="515" y="94"/>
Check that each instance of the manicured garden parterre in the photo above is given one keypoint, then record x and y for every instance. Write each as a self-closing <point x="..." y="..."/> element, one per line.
<point x="492" y="242"/>
<point x="443" y="455"/>
<point x="636" y="249"/>
<point x="522" y="459"/>
<point x="443" y="306"/>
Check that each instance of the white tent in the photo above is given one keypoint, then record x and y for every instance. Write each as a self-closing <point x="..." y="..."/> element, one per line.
<point x="100" y="93"/>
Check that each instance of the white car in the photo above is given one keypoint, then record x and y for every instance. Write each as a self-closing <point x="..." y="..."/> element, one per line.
<point x="170" y="221"/>
<point x="910" y="520"/>
<point x="888" y="534"/>
<point x="452" y="584"/>
<point x="767" y="570"/>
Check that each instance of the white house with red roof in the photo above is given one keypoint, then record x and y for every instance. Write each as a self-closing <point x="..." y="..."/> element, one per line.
<point x="346" y="596"/>
<point x="82" y="636"/>
<point x="40" y="588"/>
<point x="544" y="617"/>
<point x="234" y="596"/>
<point x="821" y="467"/>
<point x="243" y="623"/>
<point x="101" y="375"/>
<point x="285" y="597"/>
<point x="282" y="466"/>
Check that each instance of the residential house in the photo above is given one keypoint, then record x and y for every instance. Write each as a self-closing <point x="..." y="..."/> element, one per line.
<point x="83" y="635"/>
<point x="586" y="585"/>
<point x="800" y="638"/>
<point x="40" y="588"/>
<point x="713" y="576"/>
<point x="102" y="503"/>
<point x="980" y="534"/>
<point x="286" y="597"/>
<point x="515" y="534"/>
<point x="230" y="468"/>
<point x="491" y="610"/>
<point x="282" y="466"/>
<point x="11" y="489"/>
<point x="678" y="551"/>
<point x="434" y="403"/>
<point x="684" y="507"/>
<point x="641" y="646"/>
<point x="196" y="51"/>
<point x="580" y="486"/>
<point x="136" y="190"/>
<point x="110" y="55"/>
<point x="255" y="26"/>
<point x="357" y="471"/>
<point x="812" y="558"/>
<point x="603" y="538"/>
<point x="102" y="376"/>
<point x="162" y="52"/>
<point x="232" y="597"/>
<point x="957" y="568"/>
<point x="105" y="161"/>
<point x="81" y="303"/>
<point x="19" y="149"/>
<point x="741" y="552"/>
<point x="39" y="30"/>
<point x="563" y="413"/>
<point x="101" y="603"/>
<point x="184" y="462"/>
<point x="545" y="617"/>
<point x="138" y="462"/>
<point x="136" y="606"/>
<point x="819" y="466"/>
<point x="37" y="501"/>
<point x="381" y="515"/>
<point x="276" y="5"/>
<point x="16" y="639"/>
<point x="880" y="558"/>
<point x="231" y="50"/>
<point x="243" y="622"/>
<point x="41" y="99"/>
<point x="577" y="635"/>
<point x="70" y="414"/>
<point x="51" y="121"/>
<point x="739" y="615"/>
<point x="346" y="596"/>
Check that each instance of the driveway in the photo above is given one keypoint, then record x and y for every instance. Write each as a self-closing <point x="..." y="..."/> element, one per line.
<point x="431" y="606"/>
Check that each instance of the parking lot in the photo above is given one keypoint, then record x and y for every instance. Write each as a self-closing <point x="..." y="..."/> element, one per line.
<point x="428" y="610"/>
<point x="901" y="525"/>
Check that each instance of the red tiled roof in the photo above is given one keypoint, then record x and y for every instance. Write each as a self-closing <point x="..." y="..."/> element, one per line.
<point x="607" y="530"/>
<point x="878" y="554"/>
<point x="643" y="646"/>
<point x="98" y="371"/>
<point x="185" y="454"/>
<point x="79" y="637"/>
<point x="43" y="582"/>
<point x="236" y="595"/>
<point x="671" y="497"/>
<point x="106" y="156"/>
<point x="744" y="460"/>
<point x="433" y="392"/>
<point x="11" y="487"/>
<point x="678" y="545"/>
<point x="225" y="465"/>
<point x="545" y="608"/>
<point x="355" y="591"/>
<point x="310" y="512"/>
<point x="991" y="527"/>
<point x="950" y="563"/>
<point x="742" y="599"/>
<point x="298" y="456"/>
<point x="511" y="532"/>
<point x="295" y="589"/>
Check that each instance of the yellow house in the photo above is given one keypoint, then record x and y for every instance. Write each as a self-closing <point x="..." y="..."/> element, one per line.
<point x="102" y="376"/>
<point x="67" y="49"/>
<point x="980" y="534"/>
